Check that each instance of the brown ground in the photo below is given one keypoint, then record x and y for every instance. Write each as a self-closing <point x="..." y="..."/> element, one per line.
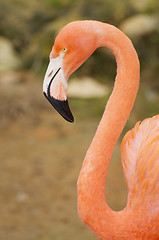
<point x="41" y="156"/>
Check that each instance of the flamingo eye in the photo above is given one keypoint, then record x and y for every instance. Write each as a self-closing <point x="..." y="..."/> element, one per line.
<point x="64" y="50"/>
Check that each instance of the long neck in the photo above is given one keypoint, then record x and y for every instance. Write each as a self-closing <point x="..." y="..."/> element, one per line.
<point x="92" y="206"/>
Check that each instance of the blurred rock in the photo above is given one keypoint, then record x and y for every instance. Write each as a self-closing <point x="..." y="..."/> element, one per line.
<point x="151" y="95"/>
<point x="145" y="5"/>
<point x="8" y="57"/>
<point x="21" y="197"/>
<point x="86" y="87"/>
<point x="140" y="25"/>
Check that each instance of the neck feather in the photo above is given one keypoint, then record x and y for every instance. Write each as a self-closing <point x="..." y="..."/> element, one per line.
<point x="92" y="206"/>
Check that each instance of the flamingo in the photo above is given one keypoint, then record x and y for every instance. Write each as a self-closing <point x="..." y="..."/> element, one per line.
<point x="139" y="148"/>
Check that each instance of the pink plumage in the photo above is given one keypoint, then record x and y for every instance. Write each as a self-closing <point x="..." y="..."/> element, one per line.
<point x="140" y="147"/>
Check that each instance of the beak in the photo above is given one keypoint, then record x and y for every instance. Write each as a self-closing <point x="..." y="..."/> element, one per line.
<point x="55" y="88"/>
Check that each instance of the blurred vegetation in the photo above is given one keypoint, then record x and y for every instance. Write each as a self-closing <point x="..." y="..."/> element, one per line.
<point x="41" y="160"/>
<point x="28" y="29"/>
<point x="31" y="26"/>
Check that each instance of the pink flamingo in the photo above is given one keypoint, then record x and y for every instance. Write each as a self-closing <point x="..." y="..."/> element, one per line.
<point x="139" y="148"/>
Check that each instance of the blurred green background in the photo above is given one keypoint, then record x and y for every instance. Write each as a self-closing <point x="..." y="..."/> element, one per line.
<point x="40" y="153"/>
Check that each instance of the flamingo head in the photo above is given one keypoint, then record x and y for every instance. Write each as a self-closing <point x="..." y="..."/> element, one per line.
<point x="73" y="45"/>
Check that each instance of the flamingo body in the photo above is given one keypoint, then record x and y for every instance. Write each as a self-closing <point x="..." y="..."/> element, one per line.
<point x="140" y="147"/>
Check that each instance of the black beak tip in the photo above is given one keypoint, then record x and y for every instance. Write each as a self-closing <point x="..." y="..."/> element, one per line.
<point x="61" y="107"/>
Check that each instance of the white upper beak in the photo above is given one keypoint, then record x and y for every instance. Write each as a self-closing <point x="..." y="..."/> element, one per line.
<point x="54" y="83"/>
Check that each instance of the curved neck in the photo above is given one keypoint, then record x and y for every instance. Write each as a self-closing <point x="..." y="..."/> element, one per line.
<point x="92" y="206"/>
